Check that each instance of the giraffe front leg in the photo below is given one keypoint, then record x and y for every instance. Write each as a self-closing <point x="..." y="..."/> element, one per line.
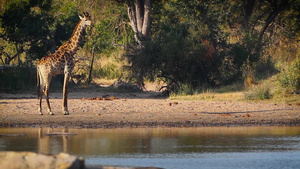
<point x="65" y="94"/>
<point x="40" y="111"/>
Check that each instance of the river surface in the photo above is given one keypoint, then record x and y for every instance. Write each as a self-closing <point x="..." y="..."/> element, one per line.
<point x="174" y="148"/>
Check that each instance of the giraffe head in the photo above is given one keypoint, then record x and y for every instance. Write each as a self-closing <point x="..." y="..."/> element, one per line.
<point x="86" y="19"/>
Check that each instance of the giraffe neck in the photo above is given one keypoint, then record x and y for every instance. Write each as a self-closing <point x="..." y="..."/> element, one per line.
<point x="72" y="44"/>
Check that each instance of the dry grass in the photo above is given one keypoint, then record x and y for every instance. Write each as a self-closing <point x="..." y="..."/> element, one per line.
<point x="231" y="93"/>
<point x="293" y="99"/>
<point x="104" y="82"/>
<point x="211" y="96"/>
<point x="110" y="67"/>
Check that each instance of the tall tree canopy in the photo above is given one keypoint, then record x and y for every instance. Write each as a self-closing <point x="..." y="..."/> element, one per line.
<point x="32" y="27"/>
<point x="182" y="42"/>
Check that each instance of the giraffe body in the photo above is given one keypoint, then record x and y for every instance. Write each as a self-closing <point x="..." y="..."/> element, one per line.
<point x="60" y="62"/>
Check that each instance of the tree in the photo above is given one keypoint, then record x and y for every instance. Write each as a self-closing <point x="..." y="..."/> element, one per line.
<point x="23" y="25"/>
<point x="139" y="12"/>
<point x="179" y="52"/>
<point x="265" y="12"/>
<point x="35" y="27"/>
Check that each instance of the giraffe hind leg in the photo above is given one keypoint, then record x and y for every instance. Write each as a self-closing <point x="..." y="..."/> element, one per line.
<point x="40" y="96"/>
<point x="45" y="87"/>
<point x="46" y="92"/>
<point x="40" y="86"/>
<point x="65" y="94"/>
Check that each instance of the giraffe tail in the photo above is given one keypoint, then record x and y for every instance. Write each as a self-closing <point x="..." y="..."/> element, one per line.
<point x="39" y="90"/>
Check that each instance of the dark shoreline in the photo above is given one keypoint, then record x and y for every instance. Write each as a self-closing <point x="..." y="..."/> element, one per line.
<point x="110" y="125"/>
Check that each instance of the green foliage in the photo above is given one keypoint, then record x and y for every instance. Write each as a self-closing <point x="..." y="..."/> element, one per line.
<point x="241" y="54"/>
<point x="108" y="37"/>
<point x="266" y="68"/>
<point x="250" y="44"/>
<point x="13" y="16"/>
<point x="66" y="20"/>
<point x="109" y="71"/>
<point x="192" y="43"/>
<point x="30" y="25"/>
<point x="248" y="73"/>
<point x="187" y="48"/>
<point x="13" y="78"/>
<point x="175" y="57"/>
<point x="290" y="77"/>
<point x="111" y="30"/>
<point x="260" y="92"/>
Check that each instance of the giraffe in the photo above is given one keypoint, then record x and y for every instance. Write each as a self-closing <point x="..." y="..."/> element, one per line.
<point x="60" y="62"/>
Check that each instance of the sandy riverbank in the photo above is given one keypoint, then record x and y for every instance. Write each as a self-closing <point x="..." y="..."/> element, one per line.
<point x="144" y="109"/>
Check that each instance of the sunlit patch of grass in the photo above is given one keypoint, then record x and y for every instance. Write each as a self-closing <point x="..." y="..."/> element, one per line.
<point x="211" y="96"/>
<point x="260" y="92"/>
<point x="104" y="82"/>
<point x="235" y="87"/>
<point x="268" y="91"/>
<point x="231" y="92"/>
<point x="293" y="99"/>
<point x="110" y="67"/>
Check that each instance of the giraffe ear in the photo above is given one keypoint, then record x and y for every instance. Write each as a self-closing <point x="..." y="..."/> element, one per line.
<point x="80" y="17"/>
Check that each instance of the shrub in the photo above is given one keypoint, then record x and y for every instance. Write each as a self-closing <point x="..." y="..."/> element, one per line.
<point x="248" y="74"/>
<point x="177" y="58"/>
<point x="17" y="78"/>
<point x="290" y="77"/>
<point x="260" y="92"/>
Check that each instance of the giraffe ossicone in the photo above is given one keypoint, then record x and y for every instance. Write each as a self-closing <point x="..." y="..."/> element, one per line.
<point x="60" y="62"/>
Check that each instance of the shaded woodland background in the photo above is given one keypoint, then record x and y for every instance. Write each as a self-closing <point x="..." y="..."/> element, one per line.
<point x="186" y="45"/>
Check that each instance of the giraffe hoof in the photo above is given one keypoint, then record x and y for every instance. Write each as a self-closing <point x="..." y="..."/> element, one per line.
<point x="51" y="113"/>
<point x="66" y="113"/>
<point x="40" y="111"/>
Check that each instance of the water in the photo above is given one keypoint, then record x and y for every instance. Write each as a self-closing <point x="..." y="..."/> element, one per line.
<point x="206" y="147"/>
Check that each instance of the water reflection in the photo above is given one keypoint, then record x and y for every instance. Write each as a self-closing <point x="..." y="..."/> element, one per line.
<point x="151" y="140"/>
<point x="147" y="142"/>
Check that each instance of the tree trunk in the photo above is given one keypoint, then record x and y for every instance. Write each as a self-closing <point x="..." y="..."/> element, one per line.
<point x="248" y="10"/>
<point x="147" y="14"/>
<point x="139" y="12"/>
<point x="91" y="68"/>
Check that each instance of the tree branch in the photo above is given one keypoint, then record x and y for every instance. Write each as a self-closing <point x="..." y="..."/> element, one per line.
<point x="114" y="43"/>
<point x="273" y="15"/>
<point x="248" y="9"/>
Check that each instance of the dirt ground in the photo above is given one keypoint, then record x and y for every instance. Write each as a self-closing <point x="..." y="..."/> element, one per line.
<point x="93" y="108"/>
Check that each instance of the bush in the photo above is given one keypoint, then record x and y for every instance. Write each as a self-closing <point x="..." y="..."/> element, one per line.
<point x="260" y="92"/>
<point x="176" y="58"/>
<point x="290" y="77"/>
<point x="17" y="78"/>
<point x="108" y="71"/>
<point x="248" y="74"/>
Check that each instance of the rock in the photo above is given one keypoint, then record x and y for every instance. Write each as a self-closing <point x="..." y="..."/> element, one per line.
<point x="30" y="160"/>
